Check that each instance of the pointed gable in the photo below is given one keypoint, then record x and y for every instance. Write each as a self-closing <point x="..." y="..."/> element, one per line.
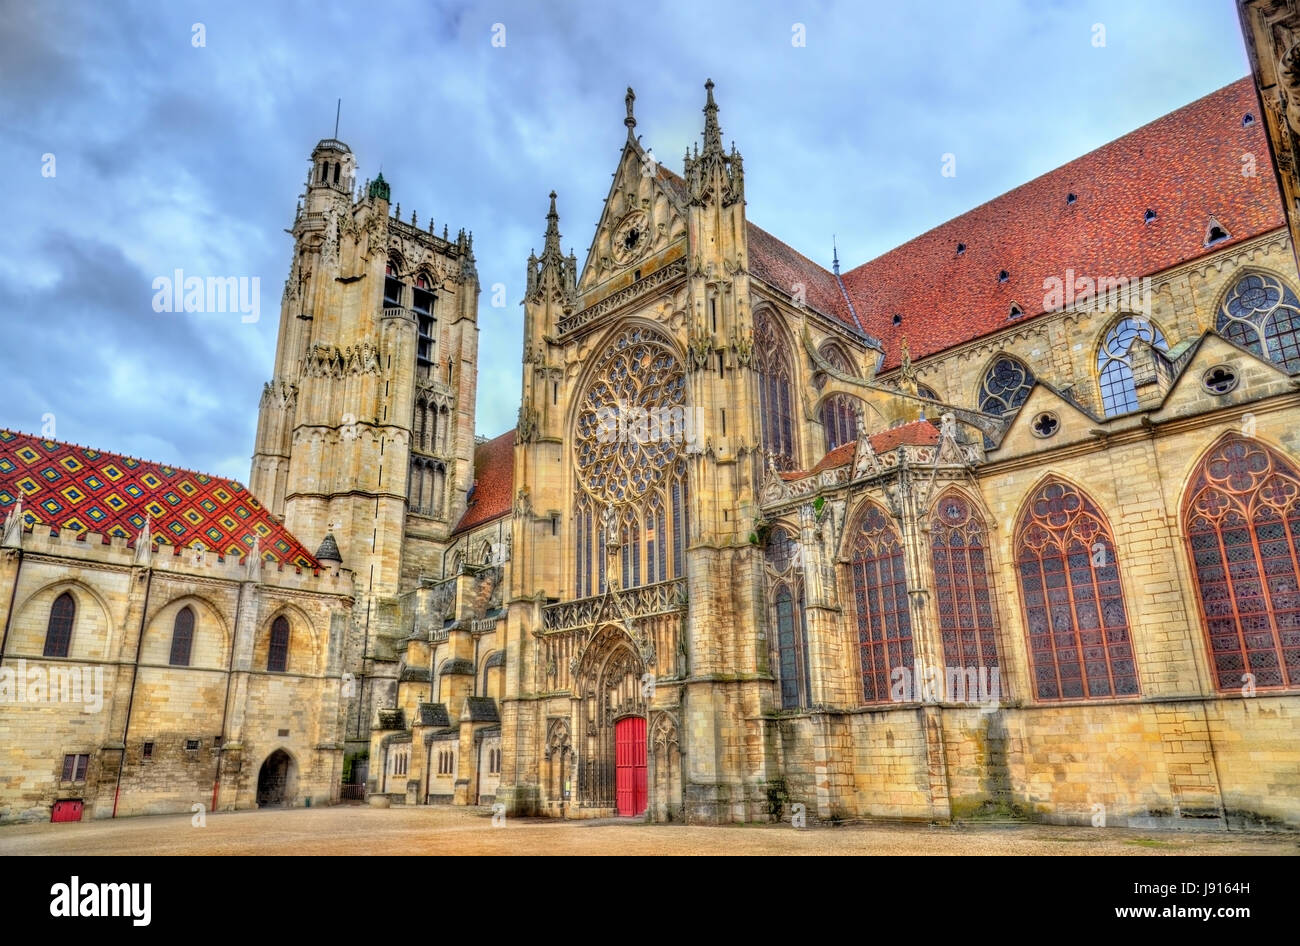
<point x="643" y="225"/>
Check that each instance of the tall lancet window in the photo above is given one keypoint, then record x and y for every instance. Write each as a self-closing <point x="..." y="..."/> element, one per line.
<point x="630" y="496"/>
<point x="787" y="620"/>
<point x="777" y="404"/>
<point x="1242" y="522"/>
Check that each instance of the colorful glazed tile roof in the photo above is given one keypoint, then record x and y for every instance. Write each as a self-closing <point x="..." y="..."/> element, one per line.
<point x="66" y="486"/>
<point x="494" y="471"/>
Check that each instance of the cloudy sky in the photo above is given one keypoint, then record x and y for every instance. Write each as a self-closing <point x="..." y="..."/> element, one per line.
<point x="171" y="155"/>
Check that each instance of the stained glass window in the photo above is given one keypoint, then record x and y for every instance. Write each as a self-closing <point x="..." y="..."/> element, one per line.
<point x="1114" y="370"/>
<point x="880" y="601"/>
<point x="1005" y="387"/>
<point x="1242" y="521"/>
<point x="1262" y="315"/>
<point x="959" y="552"/>
<point x="1077" y="623"/>
<point x="776" y="402"/>
<point x="631" y="465"/>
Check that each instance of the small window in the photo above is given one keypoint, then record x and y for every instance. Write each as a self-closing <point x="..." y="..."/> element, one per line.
<point x="1247" y="120"/>
<point x="1016" y="311"/>
<point x="1045" y="424"/>
<point x="282" y="733"/>
<point x="1003" y="275"/>
<point x="147" y="752"/>
<point x="961" y="248"/>
<point x="74" y="767"/>
<point x="182" y="637"/>
<point x="1149" y="216"/>
<point x="277" y="657"/>
<point x="898" y="319"/>
<point x="58" y="632"/>
<point x="1071" y="197"/>
<point x="1216" y="234"/>
<point x="1219" y="380"/>
<point x="191" y="745"/>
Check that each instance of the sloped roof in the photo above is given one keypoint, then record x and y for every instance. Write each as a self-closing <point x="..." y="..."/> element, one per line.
<point x="494" y="472"/>
<point x="785" y="268"/>
<point x="918" y="433"/>
<point x="1185" y="167"/>
<point x="67" y="486"/>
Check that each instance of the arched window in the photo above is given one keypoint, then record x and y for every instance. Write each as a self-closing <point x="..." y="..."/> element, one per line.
<point x="789" y="620"/>
<point x="58" y="632"/>
<point x="1006" y="385"/>
<point x="1114" y="370"/>
<point x="1079" y="645"/>
<point x="277" y="655"/>
<point x="776" y="401"/>
<point x="880" y="601"/>
<point x="422" y="305"/>
<point x="630" y="491"/>
<point x="392" y="286"/>
<point x="182" y="637"/>
<point x="839" y="417"/>
<point x="1242" y="521"/>
<point x="959" y="552"/>
<point x="1263" y="307"/>
<point x="926" y="392"/>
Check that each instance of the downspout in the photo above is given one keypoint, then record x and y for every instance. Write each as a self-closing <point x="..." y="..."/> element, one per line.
<point x="225" y="705"/>
<point x="135" y="674"/>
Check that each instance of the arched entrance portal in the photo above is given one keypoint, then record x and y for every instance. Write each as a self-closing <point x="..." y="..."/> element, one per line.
<point x="276" y="781"/>
<point x="611" y="720"/>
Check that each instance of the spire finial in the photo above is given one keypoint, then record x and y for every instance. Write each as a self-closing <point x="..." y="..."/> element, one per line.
<point x="552" y="247"/>
<point x="835" y="256"/>
<point x="630" y="121"/>
<point x="712" y="132"/>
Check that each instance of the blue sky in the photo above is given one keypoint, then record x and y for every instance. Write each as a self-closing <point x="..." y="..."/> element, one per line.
<point x="171" y="156"/>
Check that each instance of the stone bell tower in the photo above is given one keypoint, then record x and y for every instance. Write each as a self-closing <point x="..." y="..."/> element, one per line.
<point x="365" y="430"/>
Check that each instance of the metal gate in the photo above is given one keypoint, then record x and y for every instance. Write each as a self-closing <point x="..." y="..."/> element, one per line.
<point x="629" y="762"/>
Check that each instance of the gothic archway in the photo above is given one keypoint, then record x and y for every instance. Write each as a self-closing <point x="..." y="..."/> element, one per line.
<point x="609" y="689"/>
<point x="277" y="780"/>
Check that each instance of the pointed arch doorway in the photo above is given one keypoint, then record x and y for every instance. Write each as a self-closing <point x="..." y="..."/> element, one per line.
<point x="612" y="724"/>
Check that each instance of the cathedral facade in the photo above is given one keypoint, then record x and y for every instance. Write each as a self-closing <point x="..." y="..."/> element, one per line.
<point x="1004" y="523"/>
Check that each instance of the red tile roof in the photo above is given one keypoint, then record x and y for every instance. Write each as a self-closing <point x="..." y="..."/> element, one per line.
<point x="66" y="486"/>
<point x="917" y="433"/>
<point x="1184" y="166"/>
<point x="494" y="472"/>
<point x="778" y="265"/>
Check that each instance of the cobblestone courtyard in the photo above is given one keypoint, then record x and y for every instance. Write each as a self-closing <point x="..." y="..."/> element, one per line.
<point x="362" y="830"/>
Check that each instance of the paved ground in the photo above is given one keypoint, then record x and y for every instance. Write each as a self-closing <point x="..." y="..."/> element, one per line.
<point x="361" y="830"/>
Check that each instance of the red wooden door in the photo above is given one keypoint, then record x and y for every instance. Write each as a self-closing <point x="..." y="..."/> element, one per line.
<point x="629" y="765"/>
<point x="66" y="810"/>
